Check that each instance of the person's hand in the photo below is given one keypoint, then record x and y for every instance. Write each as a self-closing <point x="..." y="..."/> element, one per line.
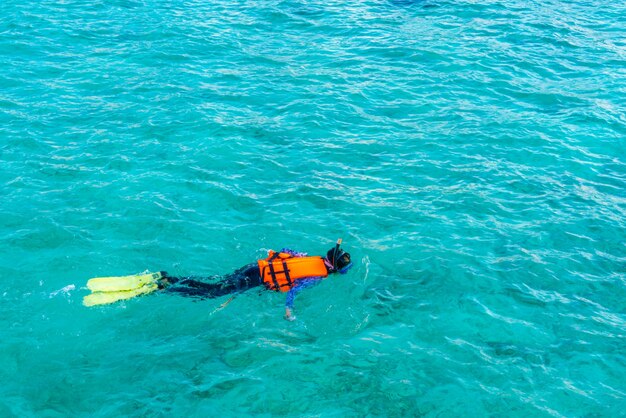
<point x="288" y="315"/>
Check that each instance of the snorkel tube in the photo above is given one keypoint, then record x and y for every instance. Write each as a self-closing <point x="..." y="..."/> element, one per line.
<point x="336" y="251"/>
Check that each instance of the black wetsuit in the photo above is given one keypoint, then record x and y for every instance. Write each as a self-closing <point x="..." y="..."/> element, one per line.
<point x="241" y="279"/>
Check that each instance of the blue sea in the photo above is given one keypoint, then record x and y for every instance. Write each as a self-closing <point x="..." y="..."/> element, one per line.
<point x="470" y="153"/>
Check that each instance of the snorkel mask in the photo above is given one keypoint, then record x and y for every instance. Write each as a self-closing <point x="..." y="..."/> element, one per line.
<point x="339" y="259"/>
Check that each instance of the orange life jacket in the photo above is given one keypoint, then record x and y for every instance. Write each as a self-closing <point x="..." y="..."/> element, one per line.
<point x="279" y="271"/>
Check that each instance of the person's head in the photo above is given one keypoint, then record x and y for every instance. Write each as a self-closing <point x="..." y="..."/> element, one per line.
<point x="337" y="260"/>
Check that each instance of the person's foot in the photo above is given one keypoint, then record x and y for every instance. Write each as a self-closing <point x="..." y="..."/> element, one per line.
<point x="164" y="281"/>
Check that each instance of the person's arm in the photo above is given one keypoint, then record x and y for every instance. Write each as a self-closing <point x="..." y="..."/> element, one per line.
<point x="293" y="253"/>
<point x="293" y="292"/>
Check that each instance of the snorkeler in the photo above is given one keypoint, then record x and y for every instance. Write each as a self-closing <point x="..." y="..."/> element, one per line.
<point x="285" y="271"/>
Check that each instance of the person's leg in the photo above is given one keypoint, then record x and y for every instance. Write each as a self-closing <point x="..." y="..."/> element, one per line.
<point x="240" y="280"/>
<point x="246" y="277"/>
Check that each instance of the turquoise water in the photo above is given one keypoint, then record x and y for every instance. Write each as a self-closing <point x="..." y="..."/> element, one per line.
<point x="470" y="154"/>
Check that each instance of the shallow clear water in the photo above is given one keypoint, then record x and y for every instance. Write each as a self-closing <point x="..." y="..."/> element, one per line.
<point x="470" y="153"/>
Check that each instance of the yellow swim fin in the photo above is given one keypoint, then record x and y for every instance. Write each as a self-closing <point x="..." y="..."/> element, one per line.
<point x="104" y="298"/>
<point x="122" y="283"/>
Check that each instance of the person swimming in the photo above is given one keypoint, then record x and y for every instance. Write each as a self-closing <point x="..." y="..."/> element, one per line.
<point x="283" y="271"/>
